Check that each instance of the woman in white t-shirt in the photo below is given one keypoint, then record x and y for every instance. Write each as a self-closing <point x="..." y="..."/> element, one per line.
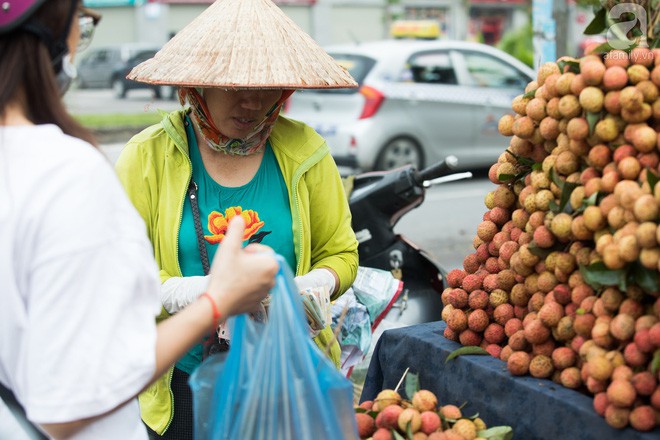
<point x="79" y="287"/>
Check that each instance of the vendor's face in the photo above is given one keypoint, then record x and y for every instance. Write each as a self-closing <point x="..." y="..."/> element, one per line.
<point x="237" y="112"/>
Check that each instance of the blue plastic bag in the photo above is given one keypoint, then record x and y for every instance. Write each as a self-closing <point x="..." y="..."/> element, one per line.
<point x="274" y="383"/>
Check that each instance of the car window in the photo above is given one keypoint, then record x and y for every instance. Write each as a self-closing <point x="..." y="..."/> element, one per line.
<point x="488" y="71"/>
<point x="357" y="65"/>
<point x="143" y="56"/>
<point x="431" y="68"/>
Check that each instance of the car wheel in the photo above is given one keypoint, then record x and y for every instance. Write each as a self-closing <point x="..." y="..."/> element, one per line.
<point x="399" y="152"/>
<point x="119" y="88"/>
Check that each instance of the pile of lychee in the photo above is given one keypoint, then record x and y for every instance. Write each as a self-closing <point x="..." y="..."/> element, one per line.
<point x="564" y="280"/>
<point x="420" y="418"/>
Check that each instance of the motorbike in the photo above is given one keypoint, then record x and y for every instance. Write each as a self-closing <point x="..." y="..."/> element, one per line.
<point x="378" y="200"/>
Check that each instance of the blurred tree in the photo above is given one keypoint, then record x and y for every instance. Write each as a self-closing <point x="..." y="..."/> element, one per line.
<point x="518" y="42"/>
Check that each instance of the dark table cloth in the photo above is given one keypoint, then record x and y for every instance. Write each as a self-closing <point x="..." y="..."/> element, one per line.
<point x="536" y="409"/>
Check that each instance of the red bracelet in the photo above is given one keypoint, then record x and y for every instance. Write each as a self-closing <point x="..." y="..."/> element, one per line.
<point x="216" y="312"/>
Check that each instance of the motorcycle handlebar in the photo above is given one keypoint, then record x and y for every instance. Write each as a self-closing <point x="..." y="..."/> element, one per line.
<point x="437" y="170"/>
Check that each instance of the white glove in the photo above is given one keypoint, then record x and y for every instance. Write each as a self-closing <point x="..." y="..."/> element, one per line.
<point x="316" y="278"/>
<point x="177" y="292"/>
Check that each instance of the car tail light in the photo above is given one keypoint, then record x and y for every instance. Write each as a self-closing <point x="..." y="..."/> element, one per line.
<point x="373" y="100"/>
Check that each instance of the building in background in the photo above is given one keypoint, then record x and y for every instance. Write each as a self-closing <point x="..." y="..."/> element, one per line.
<point x="338" y="21"/>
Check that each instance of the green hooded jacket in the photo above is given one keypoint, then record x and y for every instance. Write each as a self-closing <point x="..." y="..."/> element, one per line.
<point x="155" y="170"/>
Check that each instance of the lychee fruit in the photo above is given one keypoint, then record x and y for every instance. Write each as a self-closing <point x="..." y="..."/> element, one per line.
<point x="424" y="400"/>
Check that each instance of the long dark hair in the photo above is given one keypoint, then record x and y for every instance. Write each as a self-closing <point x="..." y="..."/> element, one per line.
<point x="27" y="74"/>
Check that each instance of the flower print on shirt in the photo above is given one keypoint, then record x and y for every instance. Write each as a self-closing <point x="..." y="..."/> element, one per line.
<point x="218" y="223"/>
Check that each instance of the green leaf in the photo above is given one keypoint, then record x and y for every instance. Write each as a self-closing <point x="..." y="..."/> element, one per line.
<point x="497" y="433"/>
<point x="566" y="190"/>
<point x="603" y="48"/>
<point x="655" y="43"/>
<point x="530" y="94"/>
<point x="592" y="119"/>
<point x="537" y="166"/>
<point x="655" y="363"/>
<point x="412" y="384"/>
<point x="465" y="351"/>
<point x="598" y="25"/>
<point x="505" y="177"/>
<point x="652" y="179"/>
<point x="598" y="275"/>
<point x="409" y="431"/>
<point x="397" y="436"/>
<point x="645" y="278"/>
<point x="573" y="66"/>
<point x="539" y="251"/>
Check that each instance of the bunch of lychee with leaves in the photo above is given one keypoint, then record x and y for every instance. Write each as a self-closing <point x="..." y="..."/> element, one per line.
<point x="564" y="281"/>
<point x="391" y="417"/>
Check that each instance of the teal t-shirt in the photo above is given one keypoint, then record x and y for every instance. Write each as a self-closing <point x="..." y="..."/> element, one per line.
<point x="264" y="201"/>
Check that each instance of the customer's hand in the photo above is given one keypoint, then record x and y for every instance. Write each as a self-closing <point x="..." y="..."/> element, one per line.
<point x="241" y="278"/>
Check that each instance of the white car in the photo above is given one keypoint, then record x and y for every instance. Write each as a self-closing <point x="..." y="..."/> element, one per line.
<point x="418" y="102"/>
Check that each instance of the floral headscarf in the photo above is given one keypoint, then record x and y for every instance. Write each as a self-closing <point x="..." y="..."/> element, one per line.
<point x="253" y="143"/>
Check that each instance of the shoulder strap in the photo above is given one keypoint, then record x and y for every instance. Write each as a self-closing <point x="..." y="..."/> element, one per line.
<point x="192" y="194"/>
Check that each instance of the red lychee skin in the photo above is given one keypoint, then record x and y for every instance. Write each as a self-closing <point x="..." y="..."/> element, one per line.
<point x="503" y="313"/>
<point x="471" y="263"/>
<point x="518" y="363"/>
<point x="367" y="404"/>
<point x="383" y="434"/>
<point x="543" y="237"/>
<point x="562" y="293"/>
<point x="634" y="356"/>
<point x="487" y="230"/>
<point x="535" y="332"/>
<point x="655" y="399"/>
<point x="494" y="350"/>
<point x="621" y="393"/>
<point x="457" y="320"/>
<point x="366" y="425"/>
<point x="478" y="320"/>
<point x="654" y="334"/>
<point x="546" y="348"/>
<point x="563" y="357"/>
<point x="601" y="403"/>
<point x="478" y="299"/>
<point x="482" y="253"/>
<point x="551" y="313"/>
<point x="643" y="340"/>
<point x="471" y="283"/>
<point x="455" y="276"/>
<point x="469" y="338"/>
<point x="644" y="382"/>
<point x="450" y="334"/>
<point x="458" y="298"/>
<point x="518" y="342"/>
<point x="499" y="215"/>
<point x="494" y="333"/>
<point x="512" y="326"/>
<point x="388" y="417"/>
<point x="430" y="422"/>
<point x="570" y="378"/>
<point x="643" y="418"/>
<point x="617" y="417"/>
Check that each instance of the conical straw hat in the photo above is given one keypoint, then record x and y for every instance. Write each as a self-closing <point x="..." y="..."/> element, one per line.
<point x="243" y="44"/>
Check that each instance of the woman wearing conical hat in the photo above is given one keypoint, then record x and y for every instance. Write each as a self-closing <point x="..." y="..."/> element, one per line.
<point x="228" y="152"/>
